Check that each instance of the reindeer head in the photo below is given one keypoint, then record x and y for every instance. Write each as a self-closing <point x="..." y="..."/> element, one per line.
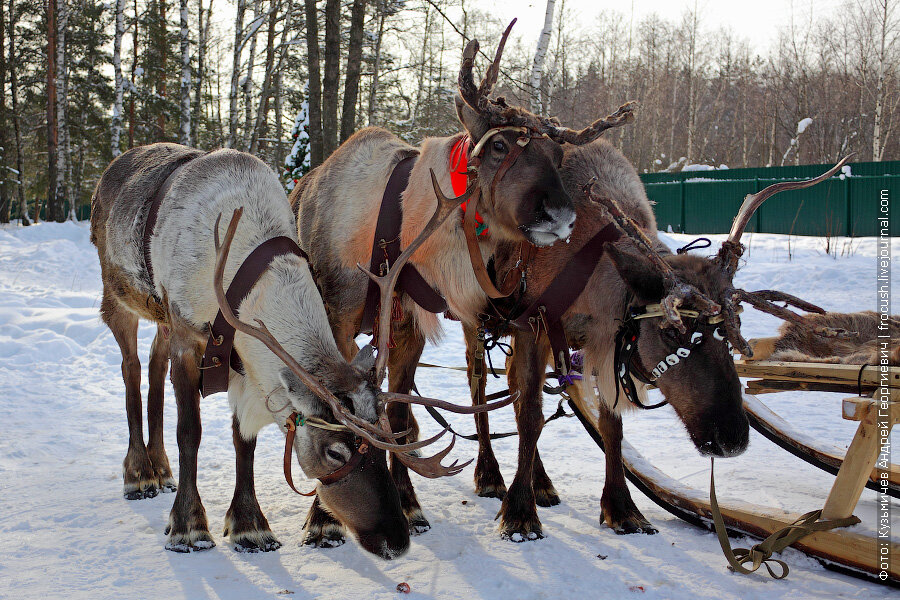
<point x="516" y="158"/>
<point x="683" y="322"/>
<point x="335" y="420"/>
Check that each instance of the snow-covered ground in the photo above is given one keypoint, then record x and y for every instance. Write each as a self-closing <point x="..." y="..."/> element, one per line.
<point x="68" y="533"/>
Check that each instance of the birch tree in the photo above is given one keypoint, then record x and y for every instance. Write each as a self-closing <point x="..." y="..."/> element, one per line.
<point x="116" y="125"/>
<point x="184" y="129"/>
<point x="5" y="149"/>
<point x="537" y="67"/>
<point x="235" y="74"/>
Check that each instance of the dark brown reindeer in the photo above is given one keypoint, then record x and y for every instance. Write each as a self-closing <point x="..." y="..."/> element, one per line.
<point x="664" y="318"/>
<point x="514" y="160"/>
<point x="167" y="269"/>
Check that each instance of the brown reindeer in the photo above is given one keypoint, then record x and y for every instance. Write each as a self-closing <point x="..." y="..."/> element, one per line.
<point x="673" y="318"/>
<point x="170" y="272"/>
<point x="514" y="160"/>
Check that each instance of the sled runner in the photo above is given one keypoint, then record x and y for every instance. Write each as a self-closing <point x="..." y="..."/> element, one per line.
<point x="841" y="549"/>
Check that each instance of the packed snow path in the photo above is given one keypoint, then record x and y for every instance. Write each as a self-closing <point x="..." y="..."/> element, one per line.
<point x="68" y="533"/>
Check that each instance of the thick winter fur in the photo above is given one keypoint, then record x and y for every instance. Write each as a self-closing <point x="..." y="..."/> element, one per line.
<point x="799" y="342"/>
<point x="182" y="300"/>
<point x="704" y="390"/>
<point x="337" y="207"/>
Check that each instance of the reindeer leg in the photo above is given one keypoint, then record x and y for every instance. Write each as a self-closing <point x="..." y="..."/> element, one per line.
<point x="518" y="514"/>
<point x="245" y="524"/>
<point x="544" y="492"/>
<point x="488" y="480"/>
<point x="402" y="363"/>
<point x="140" y="479"/>
<point x="188" y="529"/>
<point x="321" y="529"/>
<point x="156" y="449"/>
<point x="617" y="507"/>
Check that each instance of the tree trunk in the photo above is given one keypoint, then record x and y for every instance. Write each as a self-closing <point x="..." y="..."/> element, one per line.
<point x="162" y="71"/>
<point x="134" y="63"/>
<point x="373" y="90"/>
<point x="62" y="100"/>
<point x="279" y="121"/>
<point x="878" y="144"/>
<point x="262" y="112"/>
<point x="5" y="150"/>
<point x="540" y="54"/>
<point x="316" y="142"/>
<point x="184" y="122"/>
<point x="248" y="79"/>
<point x="235" y="75"/>
<point x="16" y="117"/>
<point x="202" y="36"/>
<point x="52" y="132"/>
<point x="116" y="128"/>
<point x="331" y="77"/>
<point x="354" y="69"/>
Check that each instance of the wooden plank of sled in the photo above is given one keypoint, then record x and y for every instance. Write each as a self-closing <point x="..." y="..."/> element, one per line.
<point x="815" y="372"/>
<point x="771" y="425"/>
<point x="861" y="456"/>
<point x="844" y="547"/>
<point x="768" y="386"/>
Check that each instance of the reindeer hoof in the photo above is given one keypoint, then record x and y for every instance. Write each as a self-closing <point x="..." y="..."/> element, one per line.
<point x="327" y="535"/>
<point x="140" y="490"/>
<point x="628" y="524"/>
<point x="546" y="497"/>
<point x="168" y="485"/>
<point x="255" y="541"/>
<point x="191" y="541"/>
<point x="418" y="524"/>
<point x="528" y="530"/>
<point x="491" y="490"/>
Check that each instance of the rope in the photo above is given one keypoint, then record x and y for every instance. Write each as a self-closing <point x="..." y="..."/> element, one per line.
<point x="761" y="553"/>
<point x="699" y="243"/>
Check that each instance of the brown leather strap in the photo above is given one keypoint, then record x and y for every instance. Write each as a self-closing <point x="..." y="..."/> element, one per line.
<point x="512" y="279"/>
<point x="332" y="477"/>
<point x="153" y="213"/>
<point x="547" y="311"/>
<point x="219" y="354"/>
<point x="386" y="249"/>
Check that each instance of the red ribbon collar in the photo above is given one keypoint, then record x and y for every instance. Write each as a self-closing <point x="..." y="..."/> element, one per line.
<point x="459" y="178"/>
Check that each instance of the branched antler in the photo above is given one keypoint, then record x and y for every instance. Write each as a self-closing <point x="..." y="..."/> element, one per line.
<point x="731" y="250"/>
<point x="477" y="96"/>
<point x="562" y="135"/>
<point x="678" y="291"/>
<point x="428" y="467"/>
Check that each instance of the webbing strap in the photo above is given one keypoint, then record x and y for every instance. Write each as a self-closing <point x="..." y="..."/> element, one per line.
<point x="761" y="554"/>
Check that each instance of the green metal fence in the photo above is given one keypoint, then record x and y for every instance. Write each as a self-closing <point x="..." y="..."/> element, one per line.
<point x="706" y="201"/>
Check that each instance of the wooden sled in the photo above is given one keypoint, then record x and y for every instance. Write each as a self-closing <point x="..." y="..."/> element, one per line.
<point x="776" y="376"/>
<point x="840" y="549"/>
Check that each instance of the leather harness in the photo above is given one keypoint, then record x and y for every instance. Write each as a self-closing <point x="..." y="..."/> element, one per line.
<point x="386" y="249"/>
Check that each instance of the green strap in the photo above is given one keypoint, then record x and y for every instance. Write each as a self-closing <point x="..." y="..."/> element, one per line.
<point x="761" y="553"/>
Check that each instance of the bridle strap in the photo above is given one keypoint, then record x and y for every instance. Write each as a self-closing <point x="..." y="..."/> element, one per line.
<point x="513" y="277"/>
<point x="334" y="476"/>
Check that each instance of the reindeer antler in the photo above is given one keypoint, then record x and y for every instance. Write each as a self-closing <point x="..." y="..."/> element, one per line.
<point x="387" y="282"/>
<point x="732" y="250"/>
<point x="477" y="96"/>
<point x="428" y="467"/>
<point x="562" y="135"/>
<point x="764" y="300"/>
<point x="678" y="291"/>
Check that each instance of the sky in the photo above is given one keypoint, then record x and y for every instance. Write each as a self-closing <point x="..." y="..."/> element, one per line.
<point x="757" y="21"/>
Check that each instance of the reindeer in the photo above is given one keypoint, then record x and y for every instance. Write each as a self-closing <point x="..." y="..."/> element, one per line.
<point x="669" y="319"/>
<point x="512" y="164"/>
<point x="170" y="272"/>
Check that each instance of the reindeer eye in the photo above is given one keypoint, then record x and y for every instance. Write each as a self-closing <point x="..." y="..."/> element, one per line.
<point x="334" y="455"/>
<point x="499" y="146"/>
<point x="670" y="334"/>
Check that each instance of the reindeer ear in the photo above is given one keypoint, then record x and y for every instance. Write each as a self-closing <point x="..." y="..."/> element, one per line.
<point x="638" y="273"/>
<point x="365" y="360"/>
<point x="471" y="119"/>
<point x="298" y="393"/>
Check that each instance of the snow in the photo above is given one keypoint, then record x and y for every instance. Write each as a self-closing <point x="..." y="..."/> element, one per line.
<point x="803" y="124"/>
<point x="68" y="532"/>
